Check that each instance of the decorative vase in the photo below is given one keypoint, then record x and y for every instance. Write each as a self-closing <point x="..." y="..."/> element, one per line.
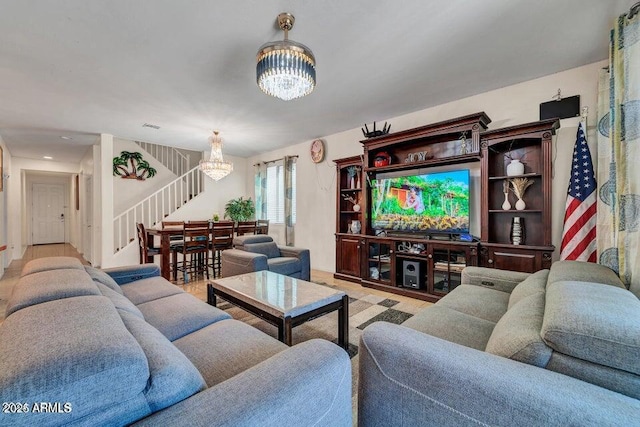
<point x="520" y="204"/>
<point x="517" y="231"/>
<point x="506" y="205"/>
<point x="356" y="207"/>
<point x="515" y="168"/>
<point x="357" y="183"/>
<point x="356" y="226"/>
<point x="353" y="182"/>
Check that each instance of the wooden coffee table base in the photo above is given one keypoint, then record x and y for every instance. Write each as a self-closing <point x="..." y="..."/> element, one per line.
<point x="286" y="324"/>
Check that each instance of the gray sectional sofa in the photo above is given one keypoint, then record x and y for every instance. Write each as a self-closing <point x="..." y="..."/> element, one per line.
<point x="557" y="347"/>
<point x="81" y="346"/>
<point x="260" y="252"/>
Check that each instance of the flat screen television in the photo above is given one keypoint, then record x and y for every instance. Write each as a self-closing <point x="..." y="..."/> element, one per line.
<point x="435" y="202"/>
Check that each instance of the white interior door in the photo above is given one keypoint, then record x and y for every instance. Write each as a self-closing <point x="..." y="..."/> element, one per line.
<point x="48" y="219"/>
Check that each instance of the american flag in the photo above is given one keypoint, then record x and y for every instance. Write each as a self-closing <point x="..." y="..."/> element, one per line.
<point x="579" y="232"/>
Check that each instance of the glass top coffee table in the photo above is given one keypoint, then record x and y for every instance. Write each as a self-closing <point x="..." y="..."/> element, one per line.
<point x="282" y="301"/>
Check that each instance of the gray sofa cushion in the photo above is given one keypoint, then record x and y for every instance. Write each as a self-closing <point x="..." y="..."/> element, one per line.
<point x="477" y="301"/>
<point x="224" y="349"/>
<point x="132" y="273"/>
<point x="43" y="286"/>
<point x="453" y="326"/>
<point x="79" y="352"/>
<point x="537" y="282"/>
<point x="240" y="241"/>
<point x="517" y="334"/>
<point x="284" y="265"/>
<point x="52" y="263"/>
<point x="150" y="289"/>
<point x="102" y="277"/>
<point x="172" y="377"/>
<point x="578" y="271"/>
<point x="493" y="278"/>
<point x="178" y="315"/>
<point x="119" y="301"/>
<point x="270" y="249"/>
<point x="592" y="322"/>
<point x="612" y="379"/>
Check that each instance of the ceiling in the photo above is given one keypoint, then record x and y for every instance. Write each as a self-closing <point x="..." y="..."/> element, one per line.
<point x="78" y="68"/>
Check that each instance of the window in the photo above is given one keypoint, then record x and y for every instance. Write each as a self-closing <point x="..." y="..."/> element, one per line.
<point x="275" y="193"/>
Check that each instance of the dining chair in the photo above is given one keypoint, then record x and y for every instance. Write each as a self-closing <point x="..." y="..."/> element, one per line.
<point x="146" y="253"/>
<point x="262" y="226"/>
<point x="245" y="227"/>
<point x="194" y="249"/>
<point x="173" y="241"/>
<point x="221" y="239"/>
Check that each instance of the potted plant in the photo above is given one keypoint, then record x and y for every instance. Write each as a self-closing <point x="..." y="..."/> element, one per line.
<point x="352" y="172"/>
<point x="239" y="209"/>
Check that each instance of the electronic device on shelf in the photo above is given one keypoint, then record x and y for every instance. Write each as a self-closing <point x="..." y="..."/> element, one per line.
<point x="422" y="203"/>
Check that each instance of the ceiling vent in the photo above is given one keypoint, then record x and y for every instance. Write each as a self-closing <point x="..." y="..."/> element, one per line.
<point x="149" y="125"/>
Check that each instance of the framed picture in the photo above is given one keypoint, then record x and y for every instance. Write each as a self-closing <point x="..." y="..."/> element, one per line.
<point x="77" y="185"/>
<point x="317" y="151"/>
<point x="1" y="169"/>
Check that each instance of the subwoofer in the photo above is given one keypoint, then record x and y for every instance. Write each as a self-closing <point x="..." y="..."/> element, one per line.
<point x="411" y="274"/>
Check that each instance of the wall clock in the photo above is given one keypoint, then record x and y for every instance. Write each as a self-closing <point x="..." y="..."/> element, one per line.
<point x="317" y="151"/>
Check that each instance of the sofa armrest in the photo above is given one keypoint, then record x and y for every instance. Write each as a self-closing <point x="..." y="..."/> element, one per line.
<point x="236" y="261"/>
<point x="500" y="280"/>
<point x="423" y="380"/>
<point x="308" y="384"/>
<point x="303" y="255"/>
<point x="132" y="273"/>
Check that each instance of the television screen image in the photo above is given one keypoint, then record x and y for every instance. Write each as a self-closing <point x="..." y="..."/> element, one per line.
<point x="433" y="202"/>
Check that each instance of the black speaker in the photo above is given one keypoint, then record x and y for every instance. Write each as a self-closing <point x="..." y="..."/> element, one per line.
<point x="562" y="109"/>
<point x="411" y="274"/>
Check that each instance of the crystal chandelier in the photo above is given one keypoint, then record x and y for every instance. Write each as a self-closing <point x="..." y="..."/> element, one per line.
<point x="216" y="168"/>
<point x="286" y="69"/>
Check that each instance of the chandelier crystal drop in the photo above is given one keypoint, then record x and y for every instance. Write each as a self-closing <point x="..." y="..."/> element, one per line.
<point x="216" y="168"/>
<point x="286" y="69"/>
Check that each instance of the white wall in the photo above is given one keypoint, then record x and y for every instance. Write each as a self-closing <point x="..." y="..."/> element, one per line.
<point x="129" y="192"/>
<point x="507" y="106"/>
<point x="216" y="193"/>
<point x="5" y="255"/>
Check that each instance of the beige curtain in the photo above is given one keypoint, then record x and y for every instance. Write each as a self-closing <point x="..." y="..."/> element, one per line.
<point x="290" y="237"/>
<point x="618" y="154"/>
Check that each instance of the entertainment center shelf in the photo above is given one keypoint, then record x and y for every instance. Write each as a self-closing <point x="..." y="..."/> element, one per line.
<point x="392" y="188"/>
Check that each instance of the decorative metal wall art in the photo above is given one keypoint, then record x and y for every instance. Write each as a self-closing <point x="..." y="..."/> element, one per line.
<point x="131" y="165"/>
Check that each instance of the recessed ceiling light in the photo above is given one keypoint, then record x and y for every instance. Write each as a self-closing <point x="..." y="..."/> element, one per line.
<point x="66" y="137"/>
<point x="47" y="157"/>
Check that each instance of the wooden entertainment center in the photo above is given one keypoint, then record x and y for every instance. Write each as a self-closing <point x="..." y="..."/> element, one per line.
<point x="428" y="266"/>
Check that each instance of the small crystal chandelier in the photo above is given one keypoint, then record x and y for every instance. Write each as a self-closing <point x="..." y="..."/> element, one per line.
<point x="286" y="69"/>
<point x="215" y="168"/>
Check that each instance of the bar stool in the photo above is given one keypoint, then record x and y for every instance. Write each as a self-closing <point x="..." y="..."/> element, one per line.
<point x="146" y="253"/>
<point x="221" y="239"/>
<point x="262" y="226"/>
<point x="194" y="249"/>
<point x="174" y="241"/>
<point x="246" y="227"/>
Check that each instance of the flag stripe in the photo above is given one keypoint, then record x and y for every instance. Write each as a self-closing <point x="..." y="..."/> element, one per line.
<point x="579" y="231"/>
<point x="583" y="216"/>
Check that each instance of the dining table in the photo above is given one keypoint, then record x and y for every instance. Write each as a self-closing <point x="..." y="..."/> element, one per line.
<point x="165" y="235"/>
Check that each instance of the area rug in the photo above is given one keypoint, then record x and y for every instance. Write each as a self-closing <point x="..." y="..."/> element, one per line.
<point x="364" y="309"/>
